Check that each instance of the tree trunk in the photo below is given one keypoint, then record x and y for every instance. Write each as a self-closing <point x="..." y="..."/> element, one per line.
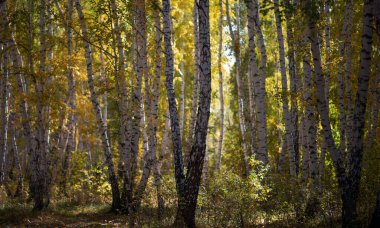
<point x="101" y="124"/>
<point x="355" y="152"/>
<point x="349" y="184"/>
<point x="294" y="83"/>
<point x="241" y="99"/>
<point x="71" y="96"/>
<point x="152" y="115"/>
<point x="4" y="110"/>
<point x="40" y="156"/>
<point x="262" y="149"/>
<point x="173" y="111"/>
<point x="285" y="102"/>
<point x="22" y="89"/>
<point x="221" y="96"/>
<point x="140" y="68"/>
<point x="121" y="85"/>
<point x="195" y="94"/>
<point x="198" y="150"/>
<point x="157" y="80"/>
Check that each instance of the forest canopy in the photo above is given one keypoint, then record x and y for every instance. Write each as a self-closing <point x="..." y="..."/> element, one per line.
<point x="204" y="113"/>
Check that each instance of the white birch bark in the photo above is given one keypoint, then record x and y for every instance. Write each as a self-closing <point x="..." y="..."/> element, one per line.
<point x="260" y="93"/>
<point x="285" y="102"/>
<point x="102" y="127"/>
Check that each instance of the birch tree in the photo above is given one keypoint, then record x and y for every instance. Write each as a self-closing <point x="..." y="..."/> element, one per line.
<point x="101" y="124"/>
<point x="285" y="102"/>
<point x="349" y="181"/>
<point x="235" y="36"/>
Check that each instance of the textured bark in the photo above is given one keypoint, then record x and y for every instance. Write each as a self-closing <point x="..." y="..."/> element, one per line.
<point x="195" y="93"/>
<point x="198" y="150"/>
<point x="285" y="102"/>
<point x="355" y="152"/>
<point x="121" y="93"/>
<point x="262" y="147"/>
<point x="235" y="36"/>
<point x="140" y="71"/>
<point x="173" y="111"/>
<point x="221" y="96"/>
<point x="40" y="155"/>
<point x="101" y="124"/>
<point x="349" y="184"/>
<point x="252" y="74"/>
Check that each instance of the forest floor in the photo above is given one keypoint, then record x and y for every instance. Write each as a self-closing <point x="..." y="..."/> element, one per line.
<point x="98" y="215"/>
<point x="61" y="216"/>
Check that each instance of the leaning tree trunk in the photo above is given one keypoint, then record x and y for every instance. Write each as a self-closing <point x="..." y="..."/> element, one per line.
<point x="349" y="185"/>
<point x="355" y="152"/>
<point x="101" y="124"/>
<point x="173" y="111"/>
<point x="198" y="150"/>
<point x="152" y="95"/>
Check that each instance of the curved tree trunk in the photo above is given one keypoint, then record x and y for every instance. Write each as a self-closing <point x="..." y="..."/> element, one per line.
<point x="101" y="124"/>
<point x="173" y="111"/>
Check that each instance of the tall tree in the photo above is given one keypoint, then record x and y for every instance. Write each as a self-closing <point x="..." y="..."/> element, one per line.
<point x="260" y="93"/>
<point x="235" y="36"/>
<point x="101" y="124"/>
<point x="349" y="182"/>
<point x="285" y="102"/>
